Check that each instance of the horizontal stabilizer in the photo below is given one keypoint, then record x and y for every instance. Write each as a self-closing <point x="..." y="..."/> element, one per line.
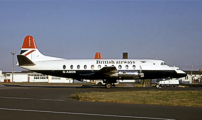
<point x="24" y="61"/>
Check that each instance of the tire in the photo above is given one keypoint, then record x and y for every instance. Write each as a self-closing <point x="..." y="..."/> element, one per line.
<point x="108" y="85"/>
<point x="99" y="84"/>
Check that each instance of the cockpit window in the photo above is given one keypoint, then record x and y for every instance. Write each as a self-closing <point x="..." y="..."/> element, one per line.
<point x="163" y="63"/>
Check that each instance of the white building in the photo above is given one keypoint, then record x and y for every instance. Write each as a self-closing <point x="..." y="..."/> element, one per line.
<point x="27" y="76"/>
<point x="1" y="75"/>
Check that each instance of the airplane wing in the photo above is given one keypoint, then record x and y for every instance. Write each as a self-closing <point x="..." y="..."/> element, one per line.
<point x="108" y="72"/>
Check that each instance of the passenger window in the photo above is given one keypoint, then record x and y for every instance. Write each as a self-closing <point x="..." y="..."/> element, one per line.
<point x="92" y="66"/>
<point x="134" y="66"/>
<point x="64" y="66"/>
<point x="78" y="66"/>
<point x="126" y="66"/>
<point x="119" y="66"/>
<point x="99" y="66"/>
<point x="105" y="65"/>
<point x="71" y="67"/>
<point x="85" y="66"/>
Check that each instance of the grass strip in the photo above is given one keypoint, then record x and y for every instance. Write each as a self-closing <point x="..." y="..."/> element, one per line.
<point x="168" y="98"/>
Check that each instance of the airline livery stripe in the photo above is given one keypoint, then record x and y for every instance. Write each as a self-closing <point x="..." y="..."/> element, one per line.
<point x="29" y="52"/>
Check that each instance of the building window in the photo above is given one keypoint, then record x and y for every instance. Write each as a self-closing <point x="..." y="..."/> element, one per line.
<point x="85" y="66"/>
<point x="78" y="66"/>
<point x="119" y="66"/>
<point x="55" y="78"/>
<point x="92" y="66"/>
<point x="134" y="66"/>
<point x="64" y="66"/>
<point x="71" y="66"/>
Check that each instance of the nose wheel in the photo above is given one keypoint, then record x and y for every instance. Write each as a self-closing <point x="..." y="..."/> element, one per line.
<point x="158" y="86"/>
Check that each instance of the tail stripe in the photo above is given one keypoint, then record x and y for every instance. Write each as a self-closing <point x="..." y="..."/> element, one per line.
<point x="22" y="51"/>
<point x="29" y="52"/>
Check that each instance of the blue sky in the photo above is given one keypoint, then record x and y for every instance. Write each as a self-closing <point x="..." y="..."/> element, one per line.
<point x="167" y="30"/>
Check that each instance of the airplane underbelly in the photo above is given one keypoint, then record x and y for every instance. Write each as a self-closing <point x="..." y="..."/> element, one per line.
<point x="159" y="74"/>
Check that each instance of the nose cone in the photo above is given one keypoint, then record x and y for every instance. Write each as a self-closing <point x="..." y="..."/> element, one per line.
<point x="180" y="73"/>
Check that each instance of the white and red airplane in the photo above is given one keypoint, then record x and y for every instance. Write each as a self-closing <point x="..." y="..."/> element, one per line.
<point x="109" y="70"/>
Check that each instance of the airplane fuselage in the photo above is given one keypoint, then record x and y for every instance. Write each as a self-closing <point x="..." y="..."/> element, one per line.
<point x="84" y="68"/>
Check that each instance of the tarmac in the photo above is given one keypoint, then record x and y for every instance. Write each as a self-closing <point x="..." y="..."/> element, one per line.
<point x="23" y="102"/>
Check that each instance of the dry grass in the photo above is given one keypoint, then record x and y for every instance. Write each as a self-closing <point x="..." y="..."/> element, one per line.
<point x="169" y="98"/>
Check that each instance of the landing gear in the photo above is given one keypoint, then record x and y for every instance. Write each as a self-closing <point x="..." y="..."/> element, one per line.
<point x="109" y="82"/>
<point x="158" y="86"/>
<point x="99" y="84"/>
<point x="108" y="85"/>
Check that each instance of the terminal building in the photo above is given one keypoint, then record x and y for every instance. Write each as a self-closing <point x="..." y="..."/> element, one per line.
<point x="27" y="76"/>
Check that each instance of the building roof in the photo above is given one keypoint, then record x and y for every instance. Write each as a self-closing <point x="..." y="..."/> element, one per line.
<point x="194" y="72"/>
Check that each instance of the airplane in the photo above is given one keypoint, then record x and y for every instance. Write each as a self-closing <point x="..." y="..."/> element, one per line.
<point x="109" y="70"/>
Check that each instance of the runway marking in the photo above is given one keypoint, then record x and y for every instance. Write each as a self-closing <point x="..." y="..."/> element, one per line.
<point x="31" y="98"/>
<point x="87" y="114"/>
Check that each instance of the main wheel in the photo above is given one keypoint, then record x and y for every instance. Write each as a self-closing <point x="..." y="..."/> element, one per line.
<point x="99" y="84"/>
<point x="108" y="85"/>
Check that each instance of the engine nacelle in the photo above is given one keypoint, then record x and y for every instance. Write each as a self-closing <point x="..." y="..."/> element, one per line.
<point x="130" y="75"/>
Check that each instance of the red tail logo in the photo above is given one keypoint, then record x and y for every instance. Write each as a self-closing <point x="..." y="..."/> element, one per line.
<point x="98" y="56"/>
<point x="29" y="42"/>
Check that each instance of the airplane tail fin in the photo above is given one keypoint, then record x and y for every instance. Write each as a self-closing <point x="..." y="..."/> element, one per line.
<point x="30" y="54"/>
<point x="29" y="49"/>
<point x="98" y="55"/>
